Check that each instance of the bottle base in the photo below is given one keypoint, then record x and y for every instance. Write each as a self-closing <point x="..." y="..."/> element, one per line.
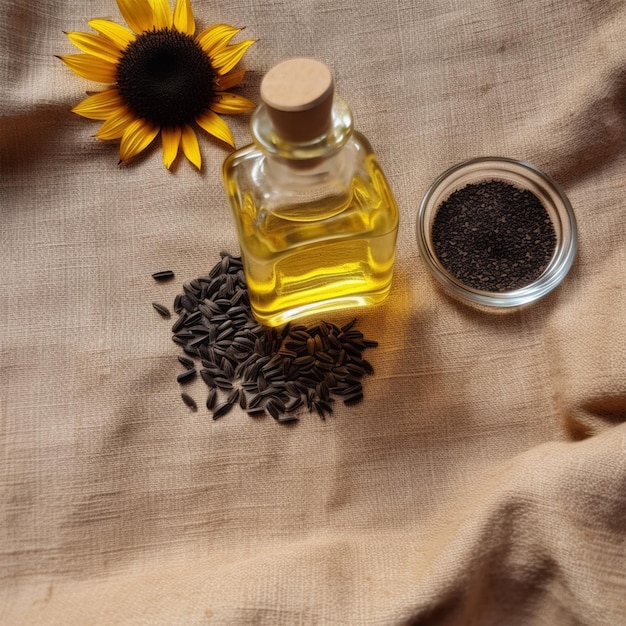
<point x="315" y="309"/>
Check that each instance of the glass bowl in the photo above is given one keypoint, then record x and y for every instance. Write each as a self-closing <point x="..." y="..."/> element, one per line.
<point x="521" y="175"/>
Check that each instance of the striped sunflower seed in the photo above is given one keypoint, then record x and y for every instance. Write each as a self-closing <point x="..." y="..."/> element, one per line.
<point x="186" y="376"/>
<point x="189" y="401"/>
<point x="222" y="410"/>
<point x="162" y="310"/>
<point x="163" y="275"/>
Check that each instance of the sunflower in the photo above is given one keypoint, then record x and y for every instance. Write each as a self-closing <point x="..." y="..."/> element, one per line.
<point x="161" y="78"/>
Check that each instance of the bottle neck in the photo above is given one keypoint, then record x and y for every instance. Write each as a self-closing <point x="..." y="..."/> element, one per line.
<point x="302" y="153"/>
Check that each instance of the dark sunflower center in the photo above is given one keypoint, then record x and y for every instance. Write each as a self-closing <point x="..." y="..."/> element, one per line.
<point x="166" y="78"/>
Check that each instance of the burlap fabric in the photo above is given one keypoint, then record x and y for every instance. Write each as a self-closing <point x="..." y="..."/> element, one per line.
<point x="482" y="480"/>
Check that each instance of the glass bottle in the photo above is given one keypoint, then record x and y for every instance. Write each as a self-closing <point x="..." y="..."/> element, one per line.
<point x="316" y="219"/>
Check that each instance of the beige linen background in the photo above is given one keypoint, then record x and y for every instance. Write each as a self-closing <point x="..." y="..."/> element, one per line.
<point x="483" y="479"/>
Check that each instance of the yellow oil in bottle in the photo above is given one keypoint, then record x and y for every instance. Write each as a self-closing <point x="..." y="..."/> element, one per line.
<point x="315" y="217"/>
<point x="329" y="254"/>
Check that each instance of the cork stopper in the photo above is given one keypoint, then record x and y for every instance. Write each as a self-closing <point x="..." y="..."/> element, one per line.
<point x="298" y="94"/>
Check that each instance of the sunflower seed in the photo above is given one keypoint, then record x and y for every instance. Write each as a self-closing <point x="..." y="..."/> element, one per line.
<point x="234" y="396"/>
<point x="223" y="383"/>
<point x="308" y="381"/>
<point x="351" y="349"/>
<point x="207" y="377"/>
<point x="211" y="399"/>
<point x="341" y="371"/>
<point x="245" y="344"/>
<point x="163" y="275"/>
<point x="273" y="372"/>
<point x="367" y="366"/>
<point x="222" y="410"/>
<point x="303" y="361"/>
<point x="186" y="376"/>
<point x="179" y="323"/>
<point x="321" y="365"/>
<point x="227" y="367"/>
<point x="162" y="310"/>
<point x="348" y="326"/>
<point x="227" y="323"/>
<point x="341" y="357"/>
<point x="353" y="399"/>
<point x="178" y="307"/>
<point x="330" y="379"/>
<point x="223" y="303"/>
<point x="287" y="354"/>
<point x="189" y="302"/>
<point x="293" y="404"/>
<point x="188" y="363"/>
<point x="255" y="401"/>
<point x="272" y="408"/>
<point x="355" y="370"/>
<point x="196" y="316"/>
<point x="323" y="391"/>
<point x="189" y="401"/>
<point x="277" y="402"/>
<point x="309" y="399"/>
<point x="198" y="340"/>
<point x="324" y="356"/>
<point x="243" y="365"/>
<point x="287" y="417"/>
<point x="323" y="408"/>
<point x="346" y="390"/>
<point x="225" y="334"/>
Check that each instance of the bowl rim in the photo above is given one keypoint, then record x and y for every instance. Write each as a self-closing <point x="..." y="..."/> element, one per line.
<point x="560" y="263"/>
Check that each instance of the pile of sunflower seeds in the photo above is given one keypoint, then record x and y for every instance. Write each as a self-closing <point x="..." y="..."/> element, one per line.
<point x="280" y="372"/>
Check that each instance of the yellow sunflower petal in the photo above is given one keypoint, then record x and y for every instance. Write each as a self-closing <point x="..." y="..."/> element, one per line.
<point x="116" y="33"/>
<point x="230" y="103"/>
<point x="100" y="47"/>
<point x="183" y="17"/>
<point x="216" y="126"/>
<point x="226" y="58"/>
<point x="216" y="37"/>
<point x="162" y="13"/>
<point x="137" y="137"/>
<point x="190" y="145"/>
<point x="138" y="14"/>
<point x="171" y="142"/>
<point x="101" y="106"/>
<point x="90" y="67"/>
<point x="115" y="126"/>
<point x="226" y="82"/>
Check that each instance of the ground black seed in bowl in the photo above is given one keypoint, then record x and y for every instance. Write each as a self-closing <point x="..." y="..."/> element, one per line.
<point x="493" y="236"/>
<point x="281" y="372"/>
